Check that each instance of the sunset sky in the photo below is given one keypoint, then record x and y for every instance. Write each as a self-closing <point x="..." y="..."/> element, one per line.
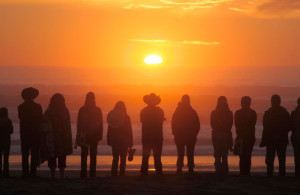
<point x="201" y="42"/>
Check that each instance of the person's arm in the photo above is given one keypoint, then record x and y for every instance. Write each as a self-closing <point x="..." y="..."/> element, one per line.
<point x="130" y="141"/>
<point x="237" y="123"/>
<point x="265" y="126"/>
<point x="100" y="132"/>
<point x="197" y="122"/>
<point x="79" y="128"/>
<point x="11" y="128"/>
<point x="293" y="121"/>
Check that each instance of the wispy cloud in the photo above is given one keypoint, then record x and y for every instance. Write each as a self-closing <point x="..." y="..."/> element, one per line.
<point x="176" y="4"/>
<point x="279" y="8"/>
<point x="136" y="6"/>
<point x="176" y="42"/>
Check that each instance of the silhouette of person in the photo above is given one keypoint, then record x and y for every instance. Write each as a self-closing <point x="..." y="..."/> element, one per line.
<point x="89" y="133"/>
<point x="119" y="136"/>
<point x="152" y="118"/>
<point x="30" y="115"/>
<point x="276" y="126"/>
<point x="295" y="138"/>
<point x="185" y="128"/>
<point x="245" y="120"/>
<point x="59" y="117"/>
<point x="6" y="129"/>
<point x="221" y="122"/>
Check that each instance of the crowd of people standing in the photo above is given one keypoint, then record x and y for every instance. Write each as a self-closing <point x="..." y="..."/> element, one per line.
<point x="48" y="136"/>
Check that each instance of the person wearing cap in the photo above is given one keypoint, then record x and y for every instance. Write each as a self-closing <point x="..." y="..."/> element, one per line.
<point x="89" y="133"/>
<point x="276" y="126"/>
<point x="31" y="116"/>
<point x="245" y="120"/>
<point x="152" y="118"/>
<point x="119" y="136"/>
<point x="185" y="128"/>
<point x="6" y="129"/>
<point x="295" y="137"/>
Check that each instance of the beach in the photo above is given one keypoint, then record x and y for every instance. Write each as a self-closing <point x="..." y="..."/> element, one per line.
<point x="133" y="183"/>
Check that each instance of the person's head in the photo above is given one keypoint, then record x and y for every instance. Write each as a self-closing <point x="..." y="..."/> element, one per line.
<point x="222" y="103"/>
<point x="275" y="100"/>
<point x="29" y="94"/>
<point x="3" y="112"/>
<point x="120" y="105"/>
<point x="57" y="101"/>
<point x="246" y="102"/>
<point x="185" y="100"/>
<point x="90" y="99"/>
<point x="152" y="99"/>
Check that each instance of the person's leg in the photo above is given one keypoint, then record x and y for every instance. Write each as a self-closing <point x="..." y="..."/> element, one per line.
<point x="180" y="157"/>
<point x="52" y="166"/>
<point x="270" y="156"/>
<point x="190" y="148"/>
<point x="34" y="147"/>
<point x="245" y="158"/>
<point x="146" y="154"/>
<point x="281" y="152"/>
<point x="115" y="161"/>
<point x="6" y="159"/>
<point x="84" y="154"/>
<point x="123" y="155"/>
<point x="296" y="147"/>
<point x="62" y="164"/>
<point x="1" y="152"/>
<point x="25" y="155"/>
<point x="224" y="163"/>
<point x="157" y="149"/>
<point x="93" y="158"/>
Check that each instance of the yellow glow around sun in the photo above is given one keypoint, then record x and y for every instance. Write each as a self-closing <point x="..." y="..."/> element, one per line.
<point x="153" y="59"/>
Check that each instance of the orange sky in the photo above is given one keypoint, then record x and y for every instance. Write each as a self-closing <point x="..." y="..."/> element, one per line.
<point x="101" y="42"/>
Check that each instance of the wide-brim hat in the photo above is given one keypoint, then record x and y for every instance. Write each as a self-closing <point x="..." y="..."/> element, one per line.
<point x="30" y="93"/>
<point x="152" y="99"/>
<point x="116" y="118"/>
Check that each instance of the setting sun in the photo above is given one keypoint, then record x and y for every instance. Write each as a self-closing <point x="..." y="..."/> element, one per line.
<point x="153" y="59"/>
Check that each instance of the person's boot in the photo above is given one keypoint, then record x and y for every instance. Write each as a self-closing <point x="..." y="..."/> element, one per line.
<point x="33" y="173"/>
<point x="179" y="171"/>
<point x="83" y="174"/>
<point x="52" y="173"/>
<point x="0" y="173"/>
<point x="62" y="173"/>
<point x="270" y="171"/>
<point x="191" y="171"/>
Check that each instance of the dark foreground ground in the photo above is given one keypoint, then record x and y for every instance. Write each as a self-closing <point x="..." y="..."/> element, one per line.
<point x="200" y="183"/>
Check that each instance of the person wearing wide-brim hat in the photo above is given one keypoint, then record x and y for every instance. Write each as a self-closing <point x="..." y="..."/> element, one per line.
<point x="30" y="115"/>
<point x="152" y="118"/>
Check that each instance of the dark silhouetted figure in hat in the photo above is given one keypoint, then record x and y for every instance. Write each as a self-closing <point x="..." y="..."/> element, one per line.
<point x="119" y="136"/>
<point x="245" y="120"/>
<point x="276" y="126"/>
<point x="221" y="122"/>
<point x="185" y="128"/>
<point x="30" y="115"/>
<point x="295" y="138"/>
<point x="152" y="118"/>
<point x="89" y="133"/>
<point x="6" y="129"/>
<point x="59" y="117"/>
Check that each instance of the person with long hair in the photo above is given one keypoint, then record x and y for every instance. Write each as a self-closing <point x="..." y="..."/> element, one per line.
<point x="89" y="133"/>
<point x="221" y="121"/>
<point x="295" y="137"/>
<point x="185" y="128"/>
<point x="59" y="117"/>
<point x="119" y="136"/>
